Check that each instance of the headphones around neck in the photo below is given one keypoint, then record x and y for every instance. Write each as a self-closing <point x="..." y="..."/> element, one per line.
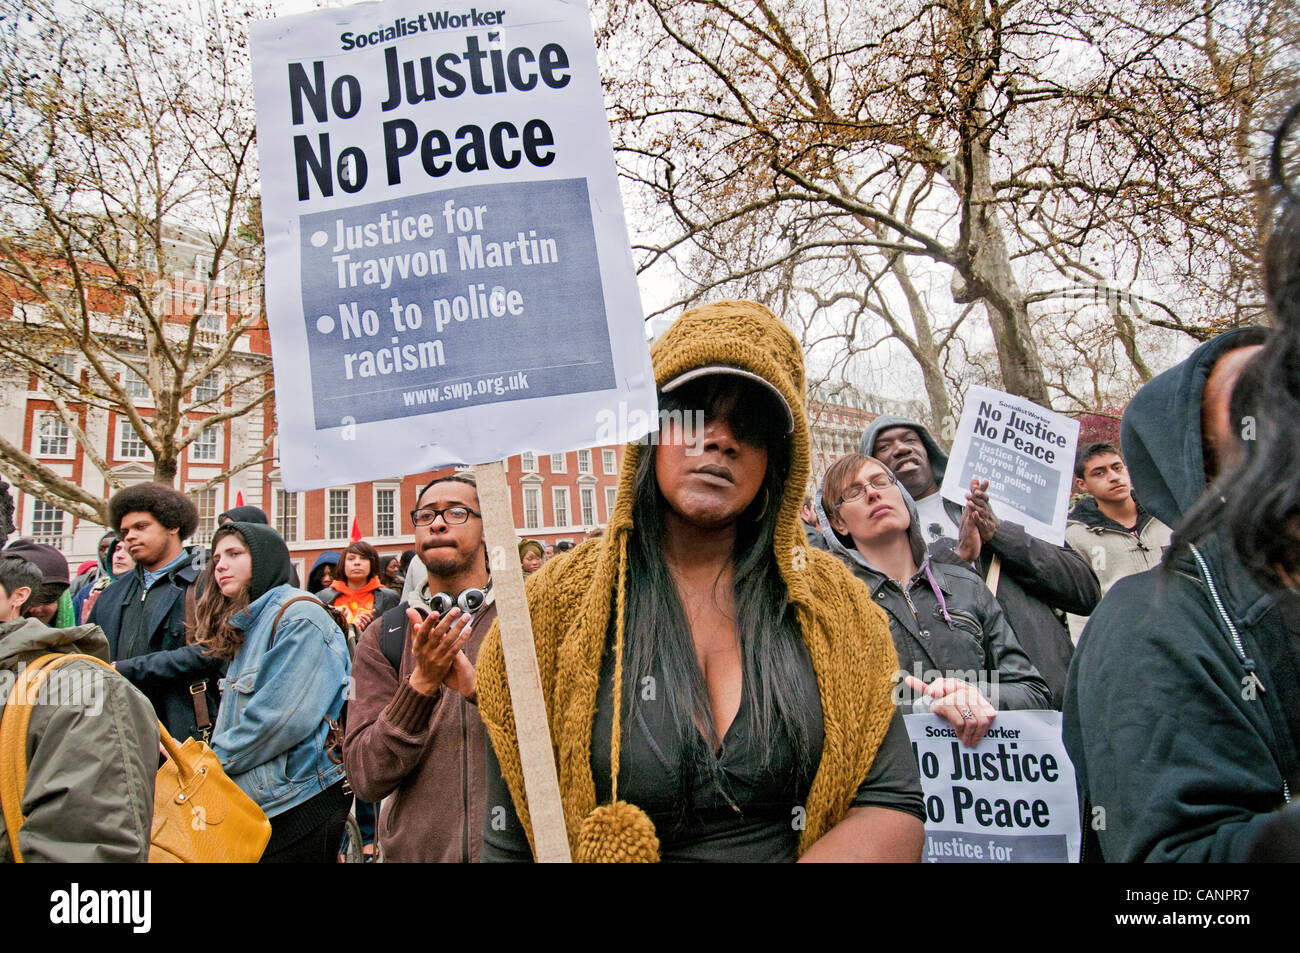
<point x="467" y="600"/>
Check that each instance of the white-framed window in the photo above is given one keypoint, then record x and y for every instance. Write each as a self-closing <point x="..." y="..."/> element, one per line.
<point x="610" y="460"/>
<point x="65" y="364"/>
<point x="210" y="322"/>
<point x="532" y="507"/>
<point x="611" y="494"/>
<point x="286" y="516"/>
<point x="47" y="524"/>
<point x="136" y="387"/>
<point x="28" y="312"/>
<point x="528" y="462"/>
<point x="206" y="501"/>
<point x="584" y="461"/>
<point x="208" y="388"/>
<point x="206" y="448"/>
<point x="53" y="439"/>
<point x="338" y="514"/>
<point x="129" y="444"/>
<point x="560" y="497"/>
<point x="587" y="496"/>
<point x="385" y="511"/>
<point x="557" y="463"/>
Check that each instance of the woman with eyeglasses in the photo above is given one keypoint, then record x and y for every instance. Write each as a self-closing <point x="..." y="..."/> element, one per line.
<point x="955" y="649"/>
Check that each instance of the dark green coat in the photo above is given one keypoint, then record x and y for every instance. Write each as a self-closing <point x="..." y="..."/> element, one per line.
<point x="92" y="758"/>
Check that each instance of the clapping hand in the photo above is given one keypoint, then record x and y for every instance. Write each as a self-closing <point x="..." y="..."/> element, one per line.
<point x="436" y="643"/>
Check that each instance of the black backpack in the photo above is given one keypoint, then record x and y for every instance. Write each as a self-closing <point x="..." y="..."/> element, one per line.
<point x="392" y="635"/>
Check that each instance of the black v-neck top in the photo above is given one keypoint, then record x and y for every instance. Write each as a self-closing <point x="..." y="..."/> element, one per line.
<point x="733" y="809"/>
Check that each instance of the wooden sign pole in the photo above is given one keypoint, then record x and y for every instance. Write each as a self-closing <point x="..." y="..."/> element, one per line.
<point x="536" y="755"/>
<point x="995" y="573"/>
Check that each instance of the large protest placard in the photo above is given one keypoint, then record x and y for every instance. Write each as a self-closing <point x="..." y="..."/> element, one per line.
<point x="448" y="273"/>
<point x="1009" y="799"/>
<point x="1025" y="451"/>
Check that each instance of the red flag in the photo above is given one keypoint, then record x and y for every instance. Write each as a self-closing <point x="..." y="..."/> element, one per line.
<point x="356" y="531"/>
<point x="239" y="498"/>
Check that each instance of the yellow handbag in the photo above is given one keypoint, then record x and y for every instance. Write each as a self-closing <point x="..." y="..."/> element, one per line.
<point x="199" y="814"/>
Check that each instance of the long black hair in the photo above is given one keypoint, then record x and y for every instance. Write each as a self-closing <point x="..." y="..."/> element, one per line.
<point x="656" y="626"/>
<point x="1258" y="504"/>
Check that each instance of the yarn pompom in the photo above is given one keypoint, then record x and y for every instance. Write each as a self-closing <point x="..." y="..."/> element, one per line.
<point x="617" y="833"/>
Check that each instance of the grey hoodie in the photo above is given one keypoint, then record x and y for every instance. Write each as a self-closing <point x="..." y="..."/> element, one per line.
<point x="93" y="743"/>
<point x="938" y="456"/>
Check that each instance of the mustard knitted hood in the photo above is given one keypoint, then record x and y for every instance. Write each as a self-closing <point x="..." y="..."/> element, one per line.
<point x="570" y="600"/>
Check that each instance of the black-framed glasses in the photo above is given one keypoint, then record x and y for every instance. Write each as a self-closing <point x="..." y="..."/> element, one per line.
<point x="451" y="515"/>
<point x="881" y="481"/>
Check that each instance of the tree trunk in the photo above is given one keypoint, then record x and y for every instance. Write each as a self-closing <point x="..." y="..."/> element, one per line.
<point x="164" y="470"/>
<point x="926" y="355"/>
<point x="1127" y="335"/>
<point x="983" y="272"/>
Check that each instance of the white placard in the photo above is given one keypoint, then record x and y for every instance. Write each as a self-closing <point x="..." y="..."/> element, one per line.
<point x="1010" y="799"/>
<point x="1025" y="451"/>
<point x="448" y="274"/>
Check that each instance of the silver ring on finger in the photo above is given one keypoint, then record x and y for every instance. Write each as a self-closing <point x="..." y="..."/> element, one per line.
<point x="967" y="714"/>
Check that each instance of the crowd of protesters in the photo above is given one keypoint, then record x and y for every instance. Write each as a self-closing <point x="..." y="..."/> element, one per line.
<point x="731" y="649"/>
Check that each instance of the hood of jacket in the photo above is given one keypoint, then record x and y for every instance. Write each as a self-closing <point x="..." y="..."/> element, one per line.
<point x="347" y="594"/>
<point x="1161" y="429"/>
<point x="22" y="639"/>
<point x="270" y="556"/>
<point x="1089" y="514"/>
<point x="245" y="514"/>
<point x="105" y="563"/>
<point x="938" y="456"/>
<point x="324" y="559"/>
<point x="591" y="582"/>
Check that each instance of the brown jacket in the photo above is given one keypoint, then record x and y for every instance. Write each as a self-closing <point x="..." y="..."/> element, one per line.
<point x="426" y="752"/>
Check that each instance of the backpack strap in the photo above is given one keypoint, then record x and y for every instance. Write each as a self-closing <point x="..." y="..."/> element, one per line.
<point x="14" y="723"/>
<point x="392" y="635"/>
<point x="334" y="740"/>
<point x="276" y="624"/>
<point x="198" y="690"/>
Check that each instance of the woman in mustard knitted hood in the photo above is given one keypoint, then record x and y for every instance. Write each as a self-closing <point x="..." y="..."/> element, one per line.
<point x="716" y="690"/>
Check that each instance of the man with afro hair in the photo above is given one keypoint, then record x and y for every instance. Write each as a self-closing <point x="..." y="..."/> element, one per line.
<point x="143" y="612"/>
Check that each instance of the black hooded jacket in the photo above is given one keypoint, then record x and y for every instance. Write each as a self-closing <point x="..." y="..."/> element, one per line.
<point x="269" y="555"/>
<point x="1183" y="703"/>
<point x="1037" y="577"/>
<point x="156" y="657"/>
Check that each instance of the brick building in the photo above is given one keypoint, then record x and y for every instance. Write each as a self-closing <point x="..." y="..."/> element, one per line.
<point x="553" y="497"/>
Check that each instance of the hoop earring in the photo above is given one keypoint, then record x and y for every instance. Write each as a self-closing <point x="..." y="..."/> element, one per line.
<point x="763" y="511"/>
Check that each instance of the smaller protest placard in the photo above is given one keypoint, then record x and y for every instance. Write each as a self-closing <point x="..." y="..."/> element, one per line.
<point x="1010" y="799"/>
<point x="1025" y="451"/>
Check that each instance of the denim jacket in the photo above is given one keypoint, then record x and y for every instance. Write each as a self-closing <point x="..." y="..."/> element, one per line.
<point x="271" y="727"/>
